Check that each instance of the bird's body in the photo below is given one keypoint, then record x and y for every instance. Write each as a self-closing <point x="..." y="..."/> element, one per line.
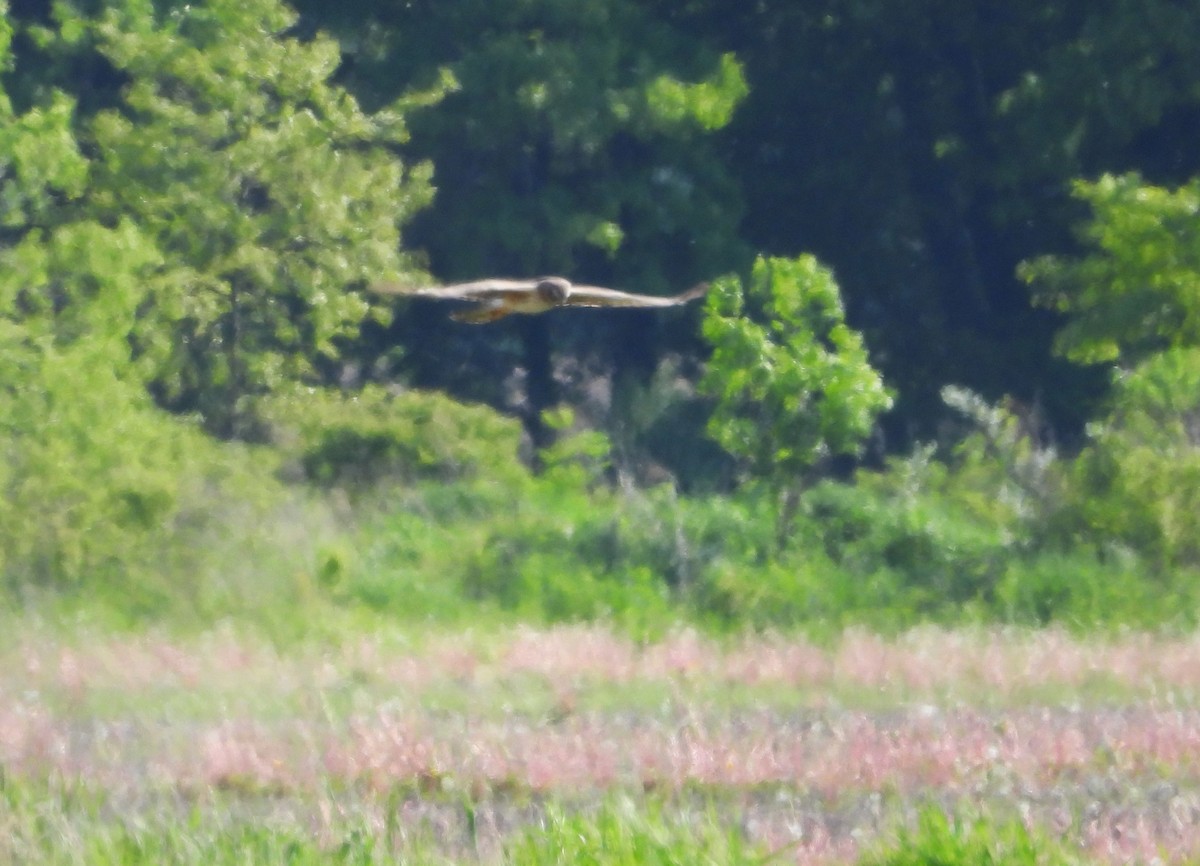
<point x="497" y="298"/>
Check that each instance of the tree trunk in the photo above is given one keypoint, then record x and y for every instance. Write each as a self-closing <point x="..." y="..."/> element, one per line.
<point x="541" y="392"/>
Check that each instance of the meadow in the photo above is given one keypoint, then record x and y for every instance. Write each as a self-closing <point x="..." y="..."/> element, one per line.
<point x="292" y="571"/>
<point x="565" y="744"/>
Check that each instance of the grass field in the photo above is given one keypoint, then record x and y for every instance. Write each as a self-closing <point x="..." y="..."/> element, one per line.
<point x="523" y="745"/>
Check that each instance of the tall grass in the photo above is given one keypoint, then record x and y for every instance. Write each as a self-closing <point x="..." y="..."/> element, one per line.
<point x="622" y="833"/>
<point x="52" y="825"/>
<point x="941" y="840"/>
<point x="68" y="826"/>
<point x="55" y="825"/>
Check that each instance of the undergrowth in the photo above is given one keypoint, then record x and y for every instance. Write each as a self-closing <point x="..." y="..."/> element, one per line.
<point x="412" y="508"/>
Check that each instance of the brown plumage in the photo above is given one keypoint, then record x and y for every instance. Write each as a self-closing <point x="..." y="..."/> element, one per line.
<point x="497" y="298"/>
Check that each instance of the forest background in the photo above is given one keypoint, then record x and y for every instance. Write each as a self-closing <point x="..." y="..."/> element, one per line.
<point x="948" y="369"/>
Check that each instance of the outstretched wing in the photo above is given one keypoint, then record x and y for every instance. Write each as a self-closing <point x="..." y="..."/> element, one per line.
<point x="598" y="296"/>
<point x="479" y="290"/>
<point x="497" y="298"/>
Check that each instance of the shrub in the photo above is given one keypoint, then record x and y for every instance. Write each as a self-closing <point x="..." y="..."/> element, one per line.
<point x="1138" y="481"/>
<point x="1091" y="588"/>
<point x="935" y="535"/>
<point x="102" y="492"/>
<point x="112" y="501"/>
<point x="792" y="383"/>
<point x="566" y="555"/>
<point x="807" y="590"/>
<point x="942" y="555"/>
<point x="357" y="440"/>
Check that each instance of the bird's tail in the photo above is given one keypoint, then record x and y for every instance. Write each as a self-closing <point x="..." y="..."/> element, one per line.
<point x="393" y="289"/>
<point x="696" y="291"/>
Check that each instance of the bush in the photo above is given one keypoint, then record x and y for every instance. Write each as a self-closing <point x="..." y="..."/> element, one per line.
<point x="1138" y="482"/>
<point x="111" y="500"/>
<point x="104" y="494"/>
<point x="1096" y="588"/>
<point x="561" y="546"/>
<point x="809" y="591"/>
<point x="941" y="554"/>
<point x="792" y="384"/>
<point x="357" y="440"/>
<point x="565" y="554"/>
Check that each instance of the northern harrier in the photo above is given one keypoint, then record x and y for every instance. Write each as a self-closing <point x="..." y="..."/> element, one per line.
<point x="496" y="299"/>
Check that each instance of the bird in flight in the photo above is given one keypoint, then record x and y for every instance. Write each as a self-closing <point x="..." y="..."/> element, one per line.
<point x="495" y="299"/>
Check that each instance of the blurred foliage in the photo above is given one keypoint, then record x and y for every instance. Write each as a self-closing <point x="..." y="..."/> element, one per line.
<point x="1138" y="481"/>
<point x="992" y="531"/>
<point x="922" y="150"/>
<point x="94" y="477"/>
<point x="105" y="496"/>
<point x="61" y="822"/>
<point x="372" y="437"/>
<point x="1137" y="290"/>
<point x="1131" y="297"/>
<point x="266" y="191"/>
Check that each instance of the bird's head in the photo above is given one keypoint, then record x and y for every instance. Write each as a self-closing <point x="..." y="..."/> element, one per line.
<point x="554" y="290"/>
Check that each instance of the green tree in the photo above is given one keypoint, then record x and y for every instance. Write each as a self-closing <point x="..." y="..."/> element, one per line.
<point x="268" y="192"/>
<point x="1131" y="301"/>
<point x="1136" y="292"/>
<point x="93" y="476"/>
<point x="191" y="221"/>
<point x="792" y="382"/>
